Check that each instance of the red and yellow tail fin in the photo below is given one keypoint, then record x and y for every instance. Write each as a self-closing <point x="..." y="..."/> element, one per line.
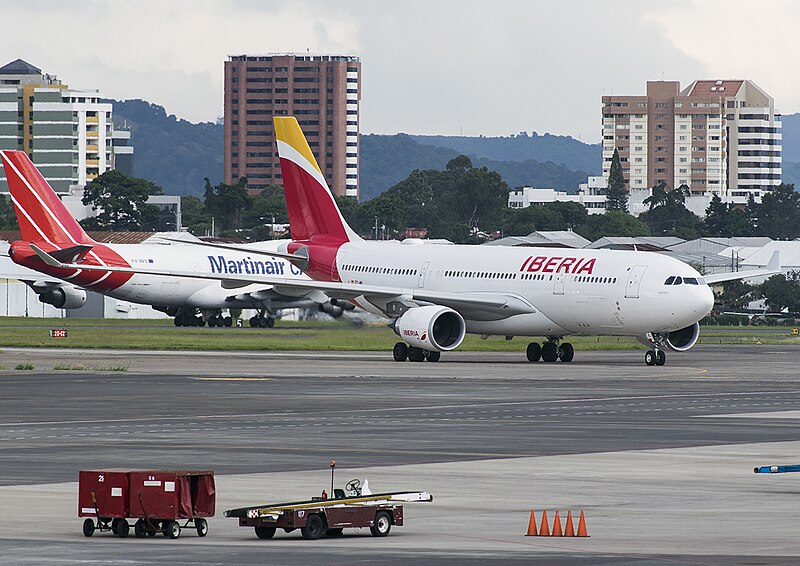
<point x="313" y="214"/>
<point x="40" y="213"/>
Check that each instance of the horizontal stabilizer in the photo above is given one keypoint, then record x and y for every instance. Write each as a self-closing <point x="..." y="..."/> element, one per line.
<point x="72" y="254"/>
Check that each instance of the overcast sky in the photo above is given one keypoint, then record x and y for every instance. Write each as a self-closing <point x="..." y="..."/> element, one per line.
<point x="430" y="67"/>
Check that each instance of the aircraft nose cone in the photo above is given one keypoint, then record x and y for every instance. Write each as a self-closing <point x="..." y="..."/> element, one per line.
<point x="705" y="300"/>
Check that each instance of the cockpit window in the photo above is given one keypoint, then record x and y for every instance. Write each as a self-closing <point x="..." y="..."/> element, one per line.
<point x="677" y="281"/>
<point x="701" y="281"/>
<point x="669" y="280"/>
<point x="690" y="280"/>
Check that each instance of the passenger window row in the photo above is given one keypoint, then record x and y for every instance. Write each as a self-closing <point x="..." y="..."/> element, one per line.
<point x="480" y="274"/>
<point x="587" y="279"/>
<point x="535" y="276"/>
<point x="375" y="269"/>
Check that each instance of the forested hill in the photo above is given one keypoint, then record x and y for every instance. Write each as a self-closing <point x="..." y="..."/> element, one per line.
<point x="178" y="155"/>
<point x="386" y="160"/>
<point x="562" y="150"/>
<point x="171" y="152"/>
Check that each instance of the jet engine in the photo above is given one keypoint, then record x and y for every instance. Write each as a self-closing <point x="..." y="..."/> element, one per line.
<point x="64" y="297"/>
<point x="335" y="307"/>
<point x="678" y="340"/>
<point x="434" y="328"/>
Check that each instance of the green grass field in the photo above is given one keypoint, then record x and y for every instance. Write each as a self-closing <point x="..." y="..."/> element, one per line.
<point x="316" y="336"/>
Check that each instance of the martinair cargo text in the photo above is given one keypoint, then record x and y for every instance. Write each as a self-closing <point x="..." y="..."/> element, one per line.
<point x="46" y="223"/>
<point x="435" y="294"/>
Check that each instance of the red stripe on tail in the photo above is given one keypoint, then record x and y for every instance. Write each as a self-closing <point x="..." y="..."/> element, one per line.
<point x="40" y="213"/>
<point x="312" y="211"/>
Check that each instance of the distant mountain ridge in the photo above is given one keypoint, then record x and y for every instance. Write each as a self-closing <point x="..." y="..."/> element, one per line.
<point x="178" y="154"/>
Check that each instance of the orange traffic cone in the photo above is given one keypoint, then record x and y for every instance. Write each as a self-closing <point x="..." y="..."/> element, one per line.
<point x="582" y="526"/>
<point x="557" y="532"/>
<point x="532" y="526"/>
<point x="544" y="530"/>
<point x="569" y="528"/>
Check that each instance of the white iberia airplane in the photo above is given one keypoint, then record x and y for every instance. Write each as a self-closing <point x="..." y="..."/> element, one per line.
<point x="435" y="294"/>
<point x="46" y="224"/>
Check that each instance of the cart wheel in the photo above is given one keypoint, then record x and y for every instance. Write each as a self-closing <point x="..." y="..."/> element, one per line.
<point x="382" y="524"/>
<point x="123" y="528"/>
<point x="139" y="529"/>
<point x="202" y="527"/>
<point x="314" y="528"/>
<point x="114" y="525"/>
<point x="88" y="528"/>
<point x="265" y="532"/>
<point x="172" y="529"/>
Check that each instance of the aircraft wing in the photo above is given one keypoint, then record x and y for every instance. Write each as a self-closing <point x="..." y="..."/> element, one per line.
<point x="773" y="267"/>
<point x="482" y="305"/>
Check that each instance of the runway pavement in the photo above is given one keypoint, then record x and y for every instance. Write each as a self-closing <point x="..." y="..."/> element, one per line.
<point x="660" y="458"/>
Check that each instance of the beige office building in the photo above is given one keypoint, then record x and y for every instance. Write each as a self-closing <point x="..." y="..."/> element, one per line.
<point x="715" y="136"/>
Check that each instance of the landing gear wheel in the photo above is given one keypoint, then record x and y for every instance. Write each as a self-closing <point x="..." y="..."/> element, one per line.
<point x="265" y="532"/>
<point x="650" y="358"/>
<point x="416" y="354"/>
<point x="661" y="358"/>
<point x="314" y="528"/>
<point x="268" y="322"/>
<point x="227" y="322"/>
<point x="566" y="352"/>
<point x="549" y="351"/>
<point x="202" y="527"/>
<point x="88" y="528"/>
<point x="139" y="529"/>
<point x="253" y="322"/>
<point x="382" y="524"/>
<point x="400" y="352"/>
<point x="432" y="356"/>
<point x="534" y="352"/>
<point x="172" y="529"/>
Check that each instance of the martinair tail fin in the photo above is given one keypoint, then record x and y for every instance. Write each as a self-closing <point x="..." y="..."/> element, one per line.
<point x="313" y="214"/>
<point x="40" y="213"/>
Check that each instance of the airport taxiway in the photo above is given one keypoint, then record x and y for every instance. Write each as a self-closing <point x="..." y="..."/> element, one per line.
<point x="659" y="458"/>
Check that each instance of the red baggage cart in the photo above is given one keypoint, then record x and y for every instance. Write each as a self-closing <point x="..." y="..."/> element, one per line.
<point x="158" y="499"/>
<point x="103" y="495"/>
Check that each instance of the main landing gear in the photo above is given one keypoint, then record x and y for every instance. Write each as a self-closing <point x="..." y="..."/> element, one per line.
<point x="403" y="352"/>
<point x="262" y="321"/>
<point x="655" y="357"/>
<point x="550" y="351"/>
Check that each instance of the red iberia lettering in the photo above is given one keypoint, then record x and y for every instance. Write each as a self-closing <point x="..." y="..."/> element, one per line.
<point x="586" y="267"/>
<point x="565" y="264"/>
<point x="549" y="264"/>
<point x="558" y="264"/>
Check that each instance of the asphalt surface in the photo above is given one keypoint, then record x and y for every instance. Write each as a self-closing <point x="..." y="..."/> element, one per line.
<point x="469" y="418"/>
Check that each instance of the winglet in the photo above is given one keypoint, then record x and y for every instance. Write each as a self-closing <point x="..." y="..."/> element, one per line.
<point x="775" y="261"/>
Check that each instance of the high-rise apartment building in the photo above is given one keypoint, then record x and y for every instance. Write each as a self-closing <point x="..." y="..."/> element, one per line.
<point x="714" y="136"/>
<point x="67" y="133"/>
<point x="322" y="91"/>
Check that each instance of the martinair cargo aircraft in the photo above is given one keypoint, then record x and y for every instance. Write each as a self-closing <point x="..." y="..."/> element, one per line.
<point x="435" y="294"/>
<point x="45" y="222"/>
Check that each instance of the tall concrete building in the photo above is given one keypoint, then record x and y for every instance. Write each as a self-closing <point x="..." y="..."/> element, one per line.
<point x="67" y="133"/>
<point x="322" y="91"/>
<point x="715" y="136"/>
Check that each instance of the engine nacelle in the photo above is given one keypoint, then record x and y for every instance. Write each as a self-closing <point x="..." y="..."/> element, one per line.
<point x="64" y="297"/>
<point x="435" y="328"/>
<point x="683" y="339"/>
<point x="678" y="340"/>
<point x="329" y="308"/>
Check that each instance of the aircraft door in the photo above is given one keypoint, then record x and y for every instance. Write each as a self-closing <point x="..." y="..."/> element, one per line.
<point x="634" y="280"/>
<point x="421" y="279"/>
<point x="558" y="283"/>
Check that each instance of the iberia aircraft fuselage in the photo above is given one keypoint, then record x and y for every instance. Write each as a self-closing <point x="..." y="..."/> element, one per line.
<point x="570" y="291"/>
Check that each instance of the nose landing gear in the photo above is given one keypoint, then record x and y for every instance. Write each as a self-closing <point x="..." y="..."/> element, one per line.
<point x="655" y="357"/>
